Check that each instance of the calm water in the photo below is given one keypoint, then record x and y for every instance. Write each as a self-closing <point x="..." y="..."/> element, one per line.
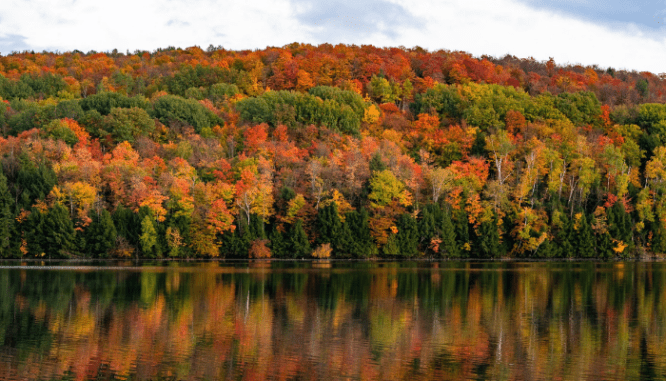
<point x="334" y="320"/>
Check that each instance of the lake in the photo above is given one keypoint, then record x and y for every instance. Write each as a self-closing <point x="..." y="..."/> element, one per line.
<point x="333" y="320"/>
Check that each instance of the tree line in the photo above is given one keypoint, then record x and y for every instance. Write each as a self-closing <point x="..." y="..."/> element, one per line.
<point x="349" y="152"/>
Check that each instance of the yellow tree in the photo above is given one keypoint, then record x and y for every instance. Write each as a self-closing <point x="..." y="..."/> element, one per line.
<point x="441" y="181"/>
<point x="501" y="146"/>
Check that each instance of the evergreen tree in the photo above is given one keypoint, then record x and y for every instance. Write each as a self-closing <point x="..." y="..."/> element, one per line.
<point x="547" y="249"/>
<point x="658" y="238"/>
<point x="449" y="245"/>
<point x="407" y="236"/>
<point x="604" y="245"/>
<point x="279" y="247"/>
<point x="237" y="243"/>
<point x="31" y="182"/>
<point x="128" y="224"/>
<point x="376" y="163"/>
<point x="59" y="234"/>
<point x="428" y="228"/>
<point x="619" y="223"/>
<point x="328" y="226"/>
<point x="101" y="234"/>
<point x="462" y="232"/>
<point x="6" y="218"/>
<point x="355" y="239"/>
<point x="180" y="223"/>
<point x="256" y="228"/>
<point x="300" y="246"/>
<point x="487" y="242"/>
<point x="391" y="248"/>
<point x="34" y="233"/>
<point x="567" y="240"/>
<point x="584" y="238"/>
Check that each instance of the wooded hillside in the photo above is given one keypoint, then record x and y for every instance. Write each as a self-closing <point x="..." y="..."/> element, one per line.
<point x="340" y="151"/>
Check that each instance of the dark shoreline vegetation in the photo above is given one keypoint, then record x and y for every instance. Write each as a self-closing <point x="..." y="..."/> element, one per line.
<point x="328" y="152"/>
<point x="38" y="262"/>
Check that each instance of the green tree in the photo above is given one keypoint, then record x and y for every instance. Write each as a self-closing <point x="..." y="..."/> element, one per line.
<point x="127" y="124"/>
<point x="642" y="87"/>
<point x="221" y="91"/>
<point x="128" y="224"/>
<point x="106" y="101"/>
<point x="328" y="226"/>
<point x="6" y="218"/>
<point x="461" y="227"/>
<point x="148" y="237"/>
<point x="381" y="91"/>
<point x="50" y="233"/>
<point x="584" y="237"/>
<point x="101" y="234"/>
<point x="407" y="236"/>
<point x="59" y="130"/>
<point x="448" y="236"/>
<point x="428" y="228"/>
<point x="619" y="223"/>
<point x="604" y="245"/>
<point x="300" y="246"/>
<point x="487" y="242"/>
<point x="356" y="239"/>
<point x="171" y="108"/>
<point x="279" y="247"/>
<point x="391" y="248"/>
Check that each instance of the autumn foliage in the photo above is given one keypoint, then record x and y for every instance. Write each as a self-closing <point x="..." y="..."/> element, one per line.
<point x="223" y="153"/>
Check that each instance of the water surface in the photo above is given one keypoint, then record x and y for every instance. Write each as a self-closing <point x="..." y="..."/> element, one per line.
<point x="333" y="320"/>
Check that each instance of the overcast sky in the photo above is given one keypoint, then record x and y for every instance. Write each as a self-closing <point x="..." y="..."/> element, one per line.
<point x="616" y="33"/>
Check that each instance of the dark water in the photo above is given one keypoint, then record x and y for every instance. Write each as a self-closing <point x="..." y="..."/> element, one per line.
<point x="334" y="320"/>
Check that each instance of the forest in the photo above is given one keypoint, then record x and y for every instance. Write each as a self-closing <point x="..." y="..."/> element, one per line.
<point x="326" y="151"/>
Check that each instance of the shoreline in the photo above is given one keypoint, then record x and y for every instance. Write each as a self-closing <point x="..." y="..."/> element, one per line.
<point x="327" y="260"/>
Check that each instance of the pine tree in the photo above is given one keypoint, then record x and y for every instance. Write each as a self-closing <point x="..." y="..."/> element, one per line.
<point x="448" y="245"/>
<point x="279" y="247"/>
<point x="584" y="238"/>
<point x="355" y="239"/>
<point x="329" y="226"/>
<point x="604" y="245"/>
<point x="6" y="218"/>
<point x="128" y="224"/>
<point x="567" y="240"/>
<point x="619" y="223"/>
<point x="59" y="233"/>
<point x="256" y="228"/>
<point x="101" y="234"/>
<point x="300" y="246"/>
<point x="462" y="232"/>
<point x="32" y="182"/>
<point x="487" y="242"/>
<point x="428" y="228"/>
<point x="376" y="164"/>
<point x="391" y="248"/>
<point x="407" y="236"/>
<point x="547" y="249"/>
<point x="34" y="233"/>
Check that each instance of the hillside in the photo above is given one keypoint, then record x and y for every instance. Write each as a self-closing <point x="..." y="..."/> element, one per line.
<point x="340" y="151"/>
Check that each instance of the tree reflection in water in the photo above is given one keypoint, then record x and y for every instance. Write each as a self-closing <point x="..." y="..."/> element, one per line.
<point x="367" y="320"/>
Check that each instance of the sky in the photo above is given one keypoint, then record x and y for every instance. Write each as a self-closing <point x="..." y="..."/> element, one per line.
<point x="610" y="33"/>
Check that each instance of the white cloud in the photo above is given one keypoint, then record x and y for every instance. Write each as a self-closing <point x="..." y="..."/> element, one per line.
<point x="494" y="27"/>
<point x="149" y="24"/>
<point x="498" y="27"/>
